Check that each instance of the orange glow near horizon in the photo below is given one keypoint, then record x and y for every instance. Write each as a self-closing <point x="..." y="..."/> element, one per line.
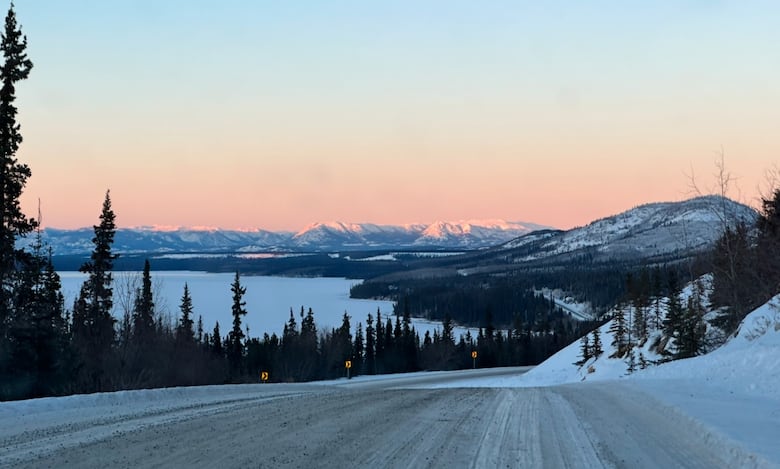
<point x="283" y="117"/>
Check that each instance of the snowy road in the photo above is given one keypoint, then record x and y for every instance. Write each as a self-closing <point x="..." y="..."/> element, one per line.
<point x="382" y="423"/>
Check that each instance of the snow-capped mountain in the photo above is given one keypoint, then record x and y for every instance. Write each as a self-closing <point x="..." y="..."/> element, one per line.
<point x="648" y="231"/>
<point x="464" y="233"/>
<point x="472" y="234"/>
<point x="355" y="235"/>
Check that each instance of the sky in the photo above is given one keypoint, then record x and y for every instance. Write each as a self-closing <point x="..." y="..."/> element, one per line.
<point x="244" y="114"/>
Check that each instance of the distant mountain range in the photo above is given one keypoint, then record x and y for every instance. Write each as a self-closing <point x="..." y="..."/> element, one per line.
<point x="651" y="231"/>
<point x="332" y="236"/>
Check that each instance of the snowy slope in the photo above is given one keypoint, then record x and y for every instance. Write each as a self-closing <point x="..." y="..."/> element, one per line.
<point x="646" y="231"/>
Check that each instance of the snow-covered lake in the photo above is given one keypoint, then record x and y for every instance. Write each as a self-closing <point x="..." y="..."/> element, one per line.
<point x="268" y="299"/>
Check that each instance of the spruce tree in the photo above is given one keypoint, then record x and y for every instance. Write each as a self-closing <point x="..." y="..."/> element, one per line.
<point x="344" y="337"/>
<point x="597" y="349"/>
<point x="370" y="351"/>
<point x="143" y="310"/>
<point x="357" y="351"/>
<point x="93" y="324"/>
<point x="446" y="330"/>
<point x="380" y="358"/>
<point x="235" y="344"/>
<point x="308" y="355"/>
<point x="184" y="332"/>
<point x="13" y="174"/>
<point x="618" y="331"/>
<point x="445" y="345"/>
<point x="216" y="342"/>
<point x="673" y="324"/>
<point x="585" y="351"/>
<point x="389" y="346"/>
<point x="768" y="247"/>
<point x="13" y="177"/>
<point x="691" y="337"/>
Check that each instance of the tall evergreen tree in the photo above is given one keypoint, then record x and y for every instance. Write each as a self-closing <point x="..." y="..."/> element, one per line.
<point x="358" y="347"/>
<point x="13" y="177"/>
<point x="236" y="337"/>
<point x="13" y="174"/>
<point x="308" y="355"/>
<point x="691" y="337"/>
<point x="93" y="324"/>
<point x="389" y="342"/>
<point x="585" y="350"/>
<point x="618" y="331"/>
<point x="344" y="333"/>
<point x="216" y="342"/>
<point x="673" y="322"/>
<point x="184" y="331"/>
<point x="380" y="343"/>
<point x="370" y="351"/>
<point x="445" y="346"/>
<point x="596" y="349"/>
<point x="143" y="310"/>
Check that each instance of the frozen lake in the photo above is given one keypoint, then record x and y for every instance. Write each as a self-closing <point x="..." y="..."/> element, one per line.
<point x="268" y="299"/>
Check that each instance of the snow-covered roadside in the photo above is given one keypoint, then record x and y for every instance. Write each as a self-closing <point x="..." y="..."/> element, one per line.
<point x="33" y="428"/>
<point x="104" y="407"/>
<point x="734" y="390"/>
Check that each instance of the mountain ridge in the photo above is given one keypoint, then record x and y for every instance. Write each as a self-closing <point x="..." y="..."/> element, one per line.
<point x="318" y="236"/>
<point x="647" y="230"/>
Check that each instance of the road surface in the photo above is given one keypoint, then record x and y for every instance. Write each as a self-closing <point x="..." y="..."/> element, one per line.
<point x="396" y="422"/>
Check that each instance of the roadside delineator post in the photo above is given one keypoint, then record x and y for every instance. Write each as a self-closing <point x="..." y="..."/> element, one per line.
<point x="473" y="359"/>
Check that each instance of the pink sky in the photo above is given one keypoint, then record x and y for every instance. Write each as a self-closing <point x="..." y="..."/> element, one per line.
<point x="390" y="114"/>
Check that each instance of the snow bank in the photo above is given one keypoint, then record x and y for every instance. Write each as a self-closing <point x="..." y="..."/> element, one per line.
<point x="747" y="364"/>
<point x="734" y="391"/>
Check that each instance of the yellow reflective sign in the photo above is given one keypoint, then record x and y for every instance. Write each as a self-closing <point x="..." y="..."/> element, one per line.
<point x="348" y="364"/>
<point x="264" y="376"/>
<point x="474" y="354"/>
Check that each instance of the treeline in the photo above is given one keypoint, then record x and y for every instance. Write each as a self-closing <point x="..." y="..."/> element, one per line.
<point x="746" y="265"/>
<point x="465" y="299"/>
<point x="392" y="345"/>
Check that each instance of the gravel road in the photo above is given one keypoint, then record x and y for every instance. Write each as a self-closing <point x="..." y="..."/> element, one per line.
<point x="385" y="423"/>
